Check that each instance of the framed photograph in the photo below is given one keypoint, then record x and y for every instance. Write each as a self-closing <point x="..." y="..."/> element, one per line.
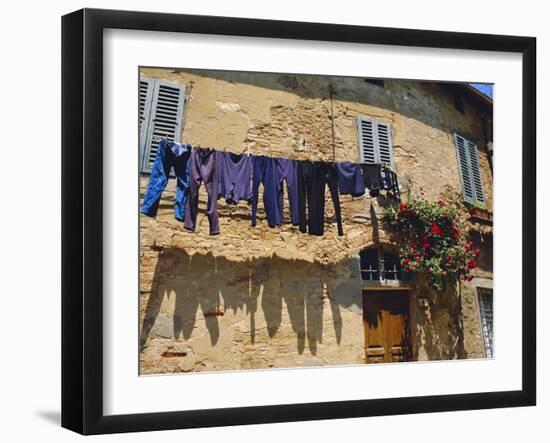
<point x="270" y="221"/>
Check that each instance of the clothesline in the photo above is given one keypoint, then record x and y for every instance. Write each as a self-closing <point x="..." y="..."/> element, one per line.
<point x="159" y="139"/>
<point x="237" y="177"/>
<point x="246" y="151"/>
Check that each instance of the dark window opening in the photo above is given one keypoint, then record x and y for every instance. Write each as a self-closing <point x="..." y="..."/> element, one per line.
<point x="370" y="265"/>
<point x="373" y="81"/>
<point x="377" y="265"/>
<point x="391" y="266"/>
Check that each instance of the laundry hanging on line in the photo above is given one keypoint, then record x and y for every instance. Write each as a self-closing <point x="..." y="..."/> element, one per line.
<point x="238" y="177"/>
<point x="170" y="156"/>
<point x="234" y="172"/>
<point x="354" y="178"/>
<point x="202" y="170"/>
<point x="273" y="173"/>
<point x="312" y="179"/>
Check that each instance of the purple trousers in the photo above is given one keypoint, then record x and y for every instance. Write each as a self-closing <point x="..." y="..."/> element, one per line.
<point x="202" y="169"/>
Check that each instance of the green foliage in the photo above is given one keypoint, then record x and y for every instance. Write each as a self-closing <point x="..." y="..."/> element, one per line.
<point x="480" y="206"/>
<point x="432" y="242"/>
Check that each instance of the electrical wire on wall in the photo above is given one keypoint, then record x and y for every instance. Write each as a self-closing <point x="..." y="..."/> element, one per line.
<point x="331" y="92"/>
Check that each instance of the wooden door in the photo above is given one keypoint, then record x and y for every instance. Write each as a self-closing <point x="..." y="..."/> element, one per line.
<point x="387" y="326"/>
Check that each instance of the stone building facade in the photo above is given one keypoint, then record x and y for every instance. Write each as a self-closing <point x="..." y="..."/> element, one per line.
<point x="260" y="297"/>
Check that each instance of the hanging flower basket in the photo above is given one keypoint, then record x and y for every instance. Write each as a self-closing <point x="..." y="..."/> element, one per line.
<point x="432" y="242"/>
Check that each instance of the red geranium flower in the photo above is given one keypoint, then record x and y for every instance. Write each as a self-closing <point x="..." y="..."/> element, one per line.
<point x="436" y="230"/>
<point x="477" y="252"/>
<point x="405" y="261"/>
<point x="403" y="207"/>
<point x="471" y="264"/>
<point x="425" y="245"/>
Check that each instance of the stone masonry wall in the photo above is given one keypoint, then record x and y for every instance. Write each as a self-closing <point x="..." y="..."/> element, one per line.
<point x="260" y="297"/>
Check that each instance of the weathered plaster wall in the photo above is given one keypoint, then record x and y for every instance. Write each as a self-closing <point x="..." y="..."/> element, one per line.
<point x="260" y="297"/>
<point x="208" y="313"/>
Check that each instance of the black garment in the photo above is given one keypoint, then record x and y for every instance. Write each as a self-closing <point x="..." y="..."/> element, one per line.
<point x="389" y="179"/>
<point x="373" y="179"/>
<point x="312" y="178"/>
<point x="389" y="182"/>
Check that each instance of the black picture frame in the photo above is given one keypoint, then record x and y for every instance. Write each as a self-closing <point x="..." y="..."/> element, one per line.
<point x="82" y="218"/>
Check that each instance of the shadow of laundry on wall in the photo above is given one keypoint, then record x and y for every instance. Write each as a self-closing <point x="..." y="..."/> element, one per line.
<point x="188" y="290"/>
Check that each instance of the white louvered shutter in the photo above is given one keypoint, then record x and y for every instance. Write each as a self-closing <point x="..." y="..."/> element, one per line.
<point x="385" y="148"/>
<point x="165" y="119"/>
<point x="470" y="171"/>
<point x="367" y="151"/>
<point x="375" y="141"/>
<point x="146" y="86"/>
<point x="476" y="172"/>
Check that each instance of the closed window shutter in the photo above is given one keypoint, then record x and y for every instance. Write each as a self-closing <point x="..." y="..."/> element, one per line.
<point x="476" y="172"/>
<point x="470" y="173"/>
<point x="164" y="119"/>
<point x="146" y="86"/>
<point x="384" y="143"/>
<point x="367" y="151"/>
<point x="375" y="141"/>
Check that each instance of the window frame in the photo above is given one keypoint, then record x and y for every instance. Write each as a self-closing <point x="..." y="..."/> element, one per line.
<point x="380" y="269"/>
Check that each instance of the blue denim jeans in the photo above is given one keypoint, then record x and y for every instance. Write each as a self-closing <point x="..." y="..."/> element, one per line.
<point x="169" y="155"/>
